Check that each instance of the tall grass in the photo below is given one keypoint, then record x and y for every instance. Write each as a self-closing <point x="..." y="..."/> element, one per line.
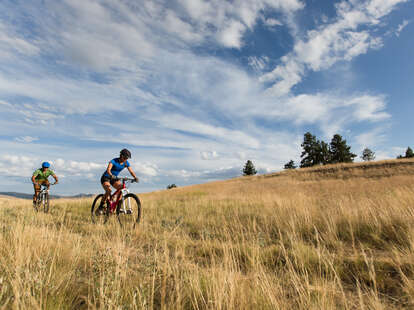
<point x="338" y="237"/>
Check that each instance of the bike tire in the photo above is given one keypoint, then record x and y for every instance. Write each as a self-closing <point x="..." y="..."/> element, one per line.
<point x="127" y="220"/>
<point x="46" y="203"/>
<point x="98" y="218"/>
<point x="38" y="204"/>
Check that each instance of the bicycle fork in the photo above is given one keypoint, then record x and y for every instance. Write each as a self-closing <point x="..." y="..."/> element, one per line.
<point x="126" y="203"/>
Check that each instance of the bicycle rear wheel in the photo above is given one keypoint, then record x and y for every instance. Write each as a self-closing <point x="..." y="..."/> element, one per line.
<point x="128" y="211"/>
<point x="99" y="215"/>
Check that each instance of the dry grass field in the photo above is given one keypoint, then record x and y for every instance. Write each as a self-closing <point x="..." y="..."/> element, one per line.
<point x="334" y="237"/>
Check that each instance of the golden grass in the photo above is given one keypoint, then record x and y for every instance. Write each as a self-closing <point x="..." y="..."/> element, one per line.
<point x="334" y="237"/>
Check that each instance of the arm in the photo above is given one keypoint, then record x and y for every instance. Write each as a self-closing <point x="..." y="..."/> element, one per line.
<point x="56" y="178"/>
<point x="108" y="170"/>
<point x="33" y="179"/>
<point x="133" y="174"/>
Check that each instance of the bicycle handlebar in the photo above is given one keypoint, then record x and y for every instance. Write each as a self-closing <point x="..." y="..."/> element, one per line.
<point x="43" y="185"/>
<point x="126" y="179"/>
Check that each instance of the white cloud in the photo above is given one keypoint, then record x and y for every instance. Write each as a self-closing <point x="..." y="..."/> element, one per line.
<point x="371" y="138"/>
<point x="401" y="27"/>
<point x="17" y="166"/>
<point x="10" y="42"/>
<point x="272" y="22"/>
<point x="146" y="169"/>
<point x="241" y="155"/>
<point x="341" y="40"/>
<point x="369" y="108"/>
<point x="330" y="111"/>
<point x="205" y="175"/>
<point x="23" y="166"/>
<point x="209" y="155"/>
<point x="258" y="63"/>
<point x="26" y="139"/>
<point x="225" y="21"/>
<point x="231" y="36"/>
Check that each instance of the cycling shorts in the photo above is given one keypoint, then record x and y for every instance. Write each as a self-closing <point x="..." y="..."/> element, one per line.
<point x="104" y="179"/>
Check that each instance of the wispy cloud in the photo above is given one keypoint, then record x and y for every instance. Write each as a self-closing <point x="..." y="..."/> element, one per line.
<point x="342" y="40"/>
<point x="11" y="43"/>
<point x="26" y="139"/>
<point x="401" y="27"/>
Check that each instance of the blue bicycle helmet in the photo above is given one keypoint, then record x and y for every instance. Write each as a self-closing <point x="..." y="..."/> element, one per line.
<point x="45" y="164"/>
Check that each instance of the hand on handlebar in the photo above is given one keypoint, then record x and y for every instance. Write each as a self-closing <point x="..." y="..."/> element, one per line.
<point x="113" y="177"/>
<point x="136" y="180"/>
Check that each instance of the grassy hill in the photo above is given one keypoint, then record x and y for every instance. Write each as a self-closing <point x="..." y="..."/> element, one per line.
<point x="333" y="237"/>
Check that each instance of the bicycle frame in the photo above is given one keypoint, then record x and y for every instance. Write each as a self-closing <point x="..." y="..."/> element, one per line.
<point x="42" y="198"/>
<point x="119" y="194"/>
<point x="44" y="190"/>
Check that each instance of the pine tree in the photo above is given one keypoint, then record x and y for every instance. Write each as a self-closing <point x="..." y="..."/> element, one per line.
<point x="290" y="165"/>
<point x="323" y="153"/>
<point x="310" y="151"/>
<point x="249" y="168"/>
<point x="340" y="151"/>
<point x="367" y="155"/>
<point x="314" y="152"/>
<point x="409" y="153"/>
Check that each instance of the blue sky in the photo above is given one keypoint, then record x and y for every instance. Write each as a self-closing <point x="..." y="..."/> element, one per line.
<point x="194" y="88"/>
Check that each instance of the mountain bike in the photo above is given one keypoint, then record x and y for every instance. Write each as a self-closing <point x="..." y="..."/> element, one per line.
<point x="124" y="204"/>
<point x="43" y="199"/>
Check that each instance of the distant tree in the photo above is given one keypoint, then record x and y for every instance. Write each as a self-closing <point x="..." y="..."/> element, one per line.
<point x="170" y="186"/>
<point x="310" y="151"/>
<point x="290" y="165"/>
<point x="400" y="157"/>
<point x="409" y="153"/>
<point x="249" y="168"/>
<point x="340" y="151"/>
<point x="323" y="153"/>
<point x="314" y="152"/>
<point x="367" y="155"/>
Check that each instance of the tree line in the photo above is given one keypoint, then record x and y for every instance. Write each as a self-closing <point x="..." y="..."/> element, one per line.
<point x="318" y="152"/>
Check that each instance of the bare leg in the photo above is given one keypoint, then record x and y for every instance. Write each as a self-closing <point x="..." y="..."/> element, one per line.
<point x="107" y="187"/>
<point x="37" y="190"/>
<point x="117" y="185"/>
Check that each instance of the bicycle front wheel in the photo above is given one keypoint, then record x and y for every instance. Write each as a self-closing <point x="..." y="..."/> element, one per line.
<point x="46" y="203"/>
<point x="37" y="204"/>
<point x="128" y="211"/>
<point x="99" y="210"/>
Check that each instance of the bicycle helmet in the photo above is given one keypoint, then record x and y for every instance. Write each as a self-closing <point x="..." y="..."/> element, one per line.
<point x="125" y="153"/>
<point x="45" y="164"/>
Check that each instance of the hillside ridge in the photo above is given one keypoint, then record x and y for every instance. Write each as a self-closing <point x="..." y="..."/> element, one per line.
<point x="374" y="169"/>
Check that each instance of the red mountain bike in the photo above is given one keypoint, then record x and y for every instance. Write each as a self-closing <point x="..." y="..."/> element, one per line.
<point x="124" y="204"/>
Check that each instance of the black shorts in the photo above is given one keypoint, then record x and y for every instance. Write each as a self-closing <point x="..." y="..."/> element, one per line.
<point x="104" y="178"/>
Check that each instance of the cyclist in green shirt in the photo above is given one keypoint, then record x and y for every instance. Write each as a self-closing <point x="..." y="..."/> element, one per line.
<point x="40" y="178"/>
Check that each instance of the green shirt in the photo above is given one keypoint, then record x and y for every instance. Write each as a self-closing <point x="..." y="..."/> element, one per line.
<point x="40" y="175"/>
